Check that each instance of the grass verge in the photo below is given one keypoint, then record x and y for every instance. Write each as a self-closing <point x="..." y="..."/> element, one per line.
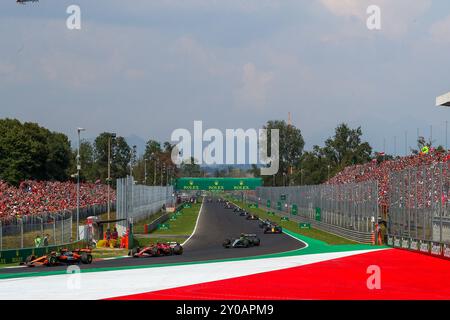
<point x="294" y="227"/>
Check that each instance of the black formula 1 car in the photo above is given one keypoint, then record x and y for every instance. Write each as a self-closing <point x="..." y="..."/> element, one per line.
<point x="243" y="213"/>
<point x="156" y="250"/>
<point x="245" y="241"/>
<point x="61" y="257"/>
<point x="252" y="217"/>
<point x="228" y="205"/>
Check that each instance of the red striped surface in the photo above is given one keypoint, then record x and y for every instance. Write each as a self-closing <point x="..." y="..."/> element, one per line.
<point x="404" y="275"/>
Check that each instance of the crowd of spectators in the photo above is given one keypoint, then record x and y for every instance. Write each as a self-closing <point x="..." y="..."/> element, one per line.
<point x="36" y="197"/>
<point x="383" y="171"/>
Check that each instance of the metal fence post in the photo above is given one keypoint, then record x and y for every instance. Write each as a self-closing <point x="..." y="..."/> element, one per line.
<point x="21" y="233"/>
<point x="54" y="230"/>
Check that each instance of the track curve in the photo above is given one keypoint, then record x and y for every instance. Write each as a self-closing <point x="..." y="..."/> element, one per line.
<point x="214" y="225"/>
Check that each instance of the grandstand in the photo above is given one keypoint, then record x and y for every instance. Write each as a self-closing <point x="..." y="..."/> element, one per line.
<point x="39" y="197"/>
<point x="381" y="172"/>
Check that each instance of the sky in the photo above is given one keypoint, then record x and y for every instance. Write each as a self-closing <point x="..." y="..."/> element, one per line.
<point x="145" y="68"/>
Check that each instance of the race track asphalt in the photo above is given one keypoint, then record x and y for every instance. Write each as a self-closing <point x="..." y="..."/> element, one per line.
<point x="214" y="225"/>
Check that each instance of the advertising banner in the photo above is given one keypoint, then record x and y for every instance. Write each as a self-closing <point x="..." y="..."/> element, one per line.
<point x="424" y="246"/>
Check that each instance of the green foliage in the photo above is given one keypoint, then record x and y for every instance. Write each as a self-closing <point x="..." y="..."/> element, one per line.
<point x="28" y="151"/>
<point x="345" y="148"/>
<point x="190" y="169"/>
<point x="291" y="145"/>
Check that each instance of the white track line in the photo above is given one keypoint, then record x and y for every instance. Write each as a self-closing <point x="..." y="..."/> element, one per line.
<point x="196" y="223"/>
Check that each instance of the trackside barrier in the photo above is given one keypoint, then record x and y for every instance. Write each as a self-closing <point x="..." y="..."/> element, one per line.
<point x="19" y="255"/>
<point x="354" y="235"/>
<point x="432" y="248"/>
<point x="150" y="227"/>
<point x="137" y="202"/>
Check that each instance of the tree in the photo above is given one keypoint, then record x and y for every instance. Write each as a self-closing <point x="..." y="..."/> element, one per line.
<point x="28" y="151"/>
<point x="189" y="168"/>
<point x="291" y="145"/>
<point x="346" y="148"/>
<point x="343" y="149"/>
<point x="120" y="156"/>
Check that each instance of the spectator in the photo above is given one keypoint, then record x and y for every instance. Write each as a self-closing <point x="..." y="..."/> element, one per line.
<point x="37" y="241"/>
<point x="46" y="240"/>
<point x="37" y="197"/>
<point x="115" y="234"/>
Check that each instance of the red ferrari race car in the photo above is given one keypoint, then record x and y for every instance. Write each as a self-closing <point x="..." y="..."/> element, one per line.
<point x="63" y="256"/>
<point x="156" y="250"/>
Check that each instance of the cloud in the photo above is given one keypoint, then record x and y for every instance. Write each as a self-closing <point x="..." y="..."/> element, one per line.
<point x="440" y="31"/>
<point x="254" y="89"/>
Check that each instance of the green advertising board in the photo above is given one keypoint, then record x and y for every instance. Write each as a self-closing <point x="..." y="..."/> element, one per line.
<point x="253" y="205"/>
<point x="294" y="209"/>
<point x="218" y="184"/>
<point x="284" y="219"/>
<point x="163" y="226"/>
<point x="187" y="205"/>
<point x="283" y="197"/>
<point x="173" y="218"/>
<point x="268" y="203"/>
<point x="304" y="225"/>
<point x="279" y="206"/>
<point x="271" y="213"/>
<point x="178" y="213"/>
<point x="318" y="214"/>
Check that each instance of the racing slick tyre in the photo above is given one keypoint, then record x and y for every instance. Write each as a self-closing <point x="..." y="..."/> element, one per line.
<point x="246" y="243"/>
<point x="86" y="258"/>
<point x="155" y="252"/>
<point x="29" y="259"/>
<point x="227" y="243"/>
<point x="134" y="252"/>
<point x="52" y="261"/>
<point x="256" y="242"/>
<point x="177" y="250"/>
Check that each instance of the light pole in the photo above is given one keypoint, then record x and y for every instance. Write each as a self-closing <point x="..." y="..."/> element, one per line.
<point x="145" y="171"/>
<point x="132" y="160"/>
<point x="78" y="182"/>
<point x="111" y="136"/>
<point x="154" y="171"/>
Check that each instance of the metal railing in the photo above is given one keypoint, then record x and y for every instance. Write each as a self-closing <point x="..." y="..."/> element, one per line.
<point x="56" y="230"/>
<point x="348" y="210"/>
<point x="418" y="203"/>
<point x="138" y="202"/>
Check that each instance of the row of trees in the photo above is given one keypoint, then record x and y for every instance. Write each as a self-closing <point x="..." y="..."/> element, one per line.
<point x="28" y="151"/>
<point x="316" y="166"/>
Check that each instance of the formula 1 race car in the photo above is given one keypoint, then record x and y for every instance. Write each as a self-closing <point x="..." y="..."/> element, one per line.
<point x="270" y="227"/>
<point x="156" y="250"/>
<point x="63" y="256"/>
<point x="273" y="228"/>
<point x="252" y="217"/>
<point x="245" y="241"/>
<point x="228" y="205"/>
<point x="243" y="213"/>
